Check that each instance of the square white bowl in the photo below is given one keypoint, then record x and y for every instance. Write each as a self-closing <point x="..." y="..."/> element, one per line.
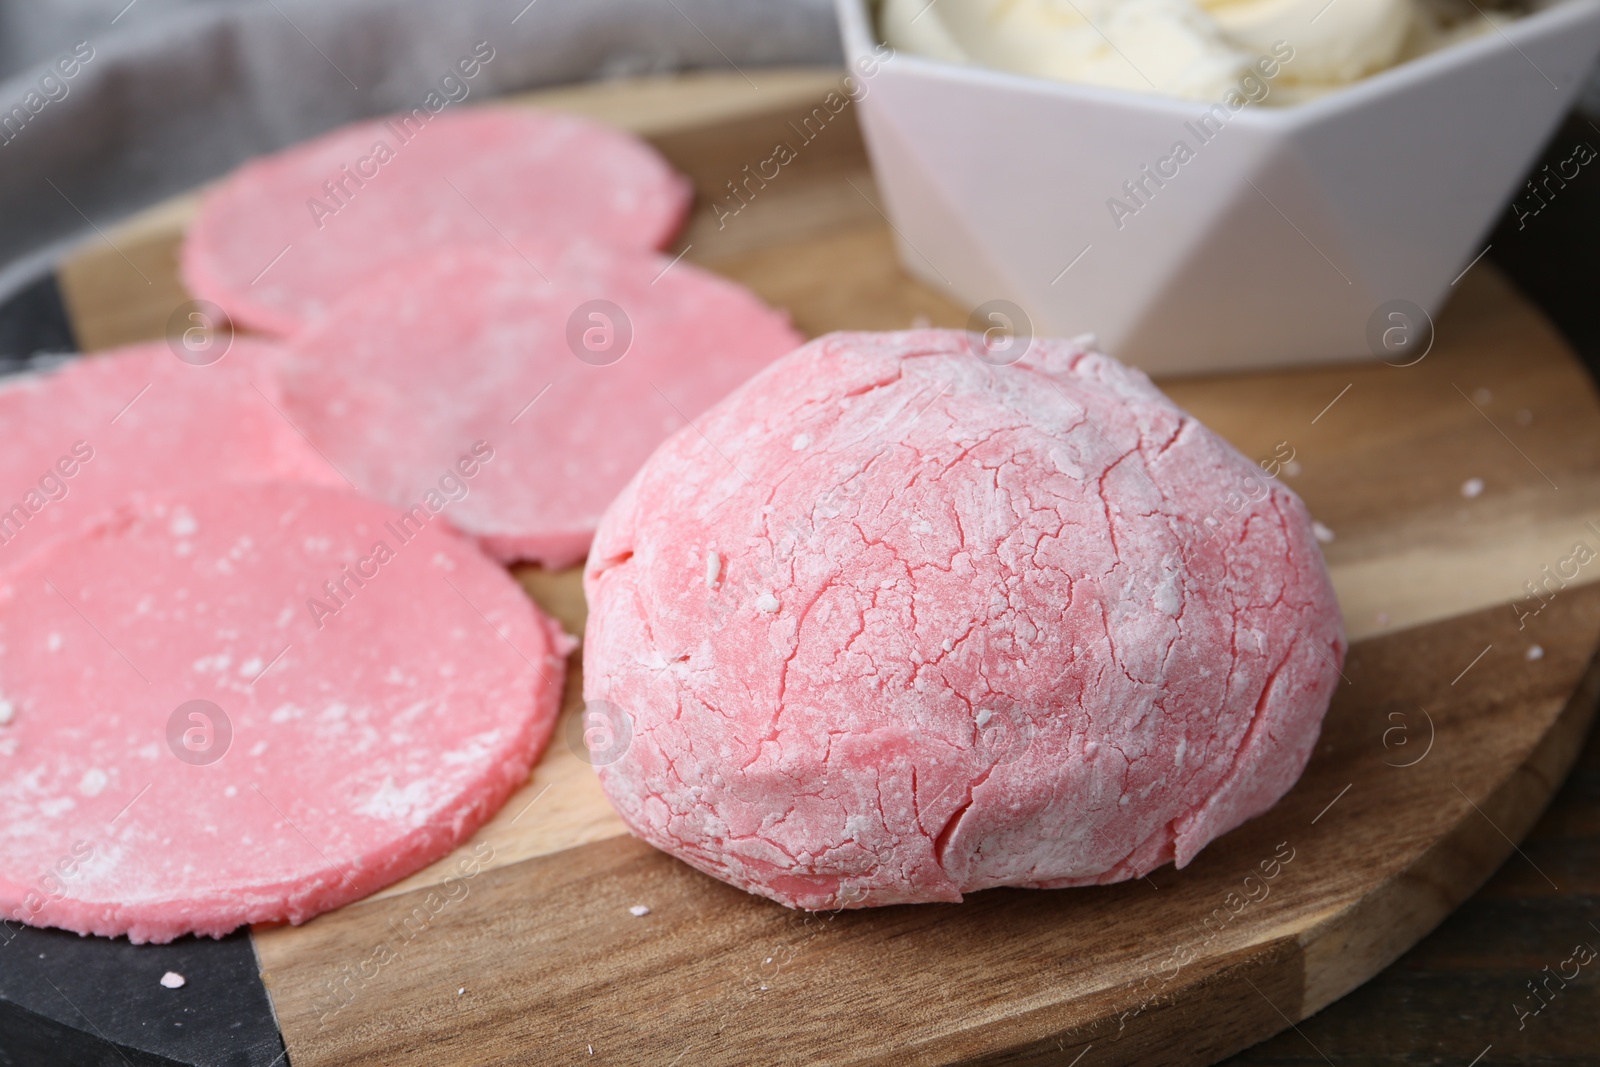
<point x="1281" y="239"/>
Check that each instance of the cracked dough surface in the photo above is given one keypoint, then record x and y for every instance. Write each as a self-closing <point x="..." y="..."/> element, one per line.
<point x="895" y="625"/>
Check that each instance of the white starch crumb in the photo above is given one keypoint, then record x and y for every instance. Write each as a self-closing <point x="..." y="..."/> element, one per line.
<point x="639" y="911"/>
<point x="1321" y="532"/>
<point x="1472" y="487"/>
<point x="1535" y="652"/>
<point x="173" y="980"/>
<point x="767" y="602"/>
<point x="713" y="569"/>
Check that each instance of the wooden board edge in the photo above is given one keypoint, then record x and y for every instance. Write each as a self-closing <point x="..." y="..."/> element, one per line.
<point x="1286" y="972"/>
<point x="1215" y="1026"/>
<point x="1383" y="926"/>
<point x="689" y="99"/>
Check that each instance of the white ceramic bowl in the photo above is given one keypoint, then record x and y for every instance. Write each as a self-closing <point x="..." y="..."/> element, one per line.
<point x="1286" y="238"/>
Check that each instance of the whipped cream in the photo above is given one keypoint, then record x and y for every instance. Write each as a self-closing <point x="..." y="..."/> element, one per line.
<point x="1166" y="46"/>
<point x="1334" y="42"/>
<point x="1197" y="49"/>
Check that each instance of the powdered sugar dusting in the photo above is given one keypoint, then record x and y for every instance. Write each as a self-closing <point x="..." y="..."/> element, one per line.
<point x="1047" y="630"/>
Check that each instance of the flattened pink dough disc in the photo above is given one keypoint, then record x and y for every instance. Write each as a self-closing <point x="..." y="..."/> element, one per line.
<point x="147" y="423"/>
<point x="963" y="626"/>
<point x="489" y="174"/>
<point x="415" y="367"/>
<point x="361" y="750"/>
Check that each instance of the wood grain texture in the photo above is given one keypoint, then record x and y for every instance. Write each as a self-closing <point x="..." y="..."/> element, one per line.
<point x="539" y="935"/>
<point x="552" y="960"/>
<point x="1463" y="991"/>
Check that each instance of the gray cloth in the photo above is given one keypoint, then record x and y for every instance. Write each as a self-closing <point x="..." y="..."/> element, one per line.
<point x="179" y="91"/>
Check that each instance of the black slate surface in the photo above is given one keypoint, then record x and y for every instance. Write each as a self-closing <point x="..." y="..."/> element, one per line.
<point x="99" y="1002"/>
<point x="34" y="320"/>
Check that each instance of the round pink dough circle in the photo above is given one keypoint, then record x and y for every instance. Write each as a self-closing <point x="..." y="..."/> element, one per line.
<point x="894" y="625"/>
<point x="480" y="345"/>
<point x="283" y="237"/>
<point x="230" y="707"/>
<point x="83" y="437"/>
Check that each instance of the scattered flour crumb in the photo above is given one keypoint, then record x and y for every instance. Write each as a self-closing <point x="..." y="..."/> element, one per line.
<point x="460" y="991"/>
<point x="57" y="806"/>
<point x="8" y="711"/>
<point x="173" y="980"/>
<point x="94" y="780"/>
<point x="800" y="443"/>
<point x="767" y="602"/>
<point x="713" y="568"/>
<point x="1472" y="487"/>
<point x="638" y="911"/>
<point x="1321" y="532"/>
<point x="183" y="524"/>
<point x="1535" y="652"/>
<point x="1167" y="598"/>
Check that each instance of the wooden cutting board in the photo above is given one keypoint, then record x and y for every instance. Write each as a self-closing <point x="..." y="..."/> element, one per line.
<point x="1447" y="485"/>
